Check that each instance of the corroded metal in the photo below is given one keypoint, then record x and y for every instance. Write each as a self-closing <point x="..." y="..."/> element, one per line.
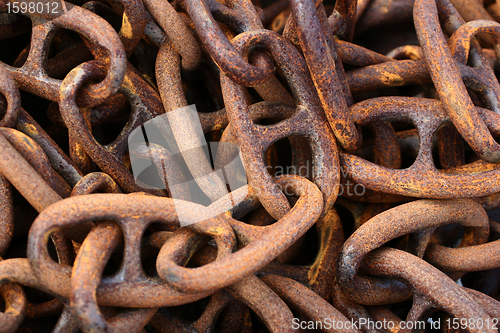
<point x="368" y="133"/>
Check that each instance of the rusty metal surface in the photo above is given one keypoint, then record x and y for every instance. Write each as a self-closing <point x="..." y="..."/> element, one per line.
<point x="368" y="131"/>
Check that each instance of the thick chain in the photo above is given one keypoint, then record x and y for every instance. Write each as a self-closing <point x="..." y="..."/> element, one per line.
<point x="369" y="181"/>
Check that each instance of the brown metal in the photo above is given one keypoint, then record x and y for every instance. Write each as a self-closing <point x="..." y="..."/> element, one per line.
<point x="452" y="91"/>
<point x="254" y="139"/>
<point x="383" y="115"/>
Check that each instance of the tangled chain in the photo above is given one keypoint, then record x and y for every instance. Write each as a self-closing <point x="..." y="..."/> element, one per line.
<point x="385" y="115"/>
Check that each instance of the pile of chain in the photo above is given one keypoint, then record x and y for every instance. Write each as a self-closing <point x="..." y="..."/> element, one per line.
<point x="385" y="115"/>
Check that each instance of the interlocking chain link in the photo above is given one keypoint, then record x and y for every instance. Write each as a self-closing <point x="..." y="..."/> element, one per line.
<point x="369" y="185"/>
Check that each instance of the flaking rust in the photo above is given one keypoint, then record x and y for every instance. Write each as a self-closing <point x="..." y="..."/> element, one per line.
<point x="368" y="135"/>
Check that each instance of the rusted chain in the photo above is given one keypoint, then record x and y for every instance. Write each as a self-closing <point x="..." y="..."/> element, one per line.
<point x="369" y="191"/>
